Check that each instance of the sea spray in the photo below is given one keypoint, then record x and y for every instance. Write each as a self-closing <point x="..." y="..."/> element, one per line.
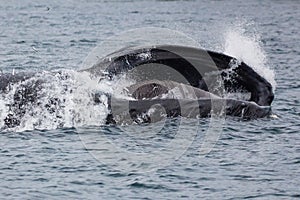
<point x="247" y="48"/>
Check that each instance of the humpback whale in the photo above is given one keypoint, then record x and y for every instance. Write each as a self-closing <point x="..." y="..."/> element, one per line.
<point x="191" y="91"/>
<point x="193" y="64"/>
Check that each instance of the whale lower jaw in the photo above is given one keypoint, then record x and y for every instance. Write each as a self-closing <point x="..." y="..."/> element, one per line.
<point x="153" y="110"/>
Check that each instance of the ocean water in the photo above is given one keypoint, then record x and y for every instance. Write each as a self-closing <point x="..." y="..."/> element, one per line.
<point x="76" y="156"/>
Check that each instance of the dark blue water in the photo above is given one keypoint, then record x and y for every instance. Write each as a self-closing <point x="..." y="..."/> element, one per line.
<point x="257" y="159"/>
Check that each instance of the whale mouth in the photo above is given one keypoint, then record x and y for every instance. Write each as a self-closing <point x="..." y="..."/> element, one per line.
<point x="156" y="87"/>
<point x="66" y="98"/>
<point x="192" y="66"/>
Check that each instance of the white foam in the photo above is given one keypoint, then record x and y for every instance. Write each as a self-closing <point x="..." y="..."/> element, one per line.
<point x="74" y="92"/>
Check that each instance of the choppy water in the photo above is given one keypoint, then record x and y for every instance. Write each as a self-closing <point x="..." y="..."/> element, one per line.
<point x="251" y="159"/>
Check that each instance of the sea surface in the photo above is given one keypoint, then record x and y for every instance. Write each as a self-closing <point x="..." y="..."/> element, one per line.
<point x="78" y="157"/>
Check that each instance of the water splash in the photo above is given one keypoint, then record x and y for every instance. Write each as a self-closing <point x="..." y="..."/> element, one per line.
<point x="246" y="47"/>
<point x="63" y="99"/>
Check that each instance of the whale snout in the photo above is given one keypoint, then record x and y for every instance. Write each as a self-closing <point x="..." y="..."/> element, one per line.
<point x="247" y="110"/>
<point x="255" y="111"/>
